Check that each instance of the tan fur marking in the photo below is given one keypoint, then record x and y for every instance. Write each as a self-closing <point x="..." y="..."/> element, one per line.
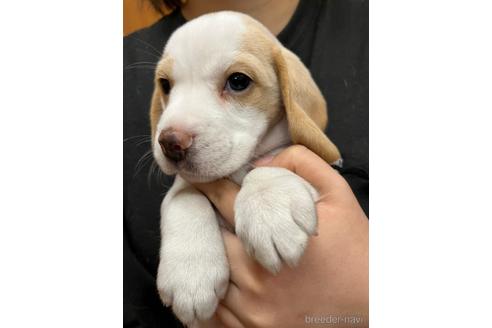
<point x="163" y="70"/>
<point x="257" y="43"/>
<point x="304" y="104"/>
<point x="263" y="93"/>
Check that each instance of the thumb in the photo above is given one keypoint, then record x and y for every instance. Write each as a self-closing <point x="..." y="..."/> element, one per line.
<point x="307" y="165"/>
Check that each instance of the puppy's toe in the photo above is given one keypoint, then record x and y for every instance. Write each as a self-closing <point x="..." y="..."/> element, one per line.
<point x="275" y="213"/>
<point x="264" y="251"/>
<point x="304" y="215"/>
<point x="191" y="305"/>
<point x="193" y="285"/>
<point x="290" y="245"/>
<point x="205" y="305"/>
<point x="183" y="308"/>
<point x="221" y="285"/>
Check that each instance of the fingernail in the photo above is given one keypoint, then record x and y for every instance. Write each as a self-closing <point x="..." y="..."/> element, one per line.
<point x="263" y="160"/>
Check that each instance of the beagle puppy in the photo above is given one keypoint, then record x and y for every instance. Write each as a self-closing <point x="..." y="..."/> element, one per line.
<point x="226" y="93"/>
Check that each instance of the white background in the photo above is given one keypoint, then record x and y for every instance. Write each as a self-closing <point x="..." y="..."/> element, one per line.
<point x="61" y="163"/>
<point x="61" y="135"/>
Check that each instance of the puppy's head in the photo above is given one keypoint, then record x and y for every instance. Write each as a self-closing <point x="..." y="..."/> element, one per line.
<point x="222" y="82"/>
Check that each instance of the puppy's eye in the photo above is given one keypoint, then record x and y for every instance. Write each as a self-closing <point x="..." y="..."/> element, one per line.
<point x="165" y="85"/>
<point x="238" y="82"/>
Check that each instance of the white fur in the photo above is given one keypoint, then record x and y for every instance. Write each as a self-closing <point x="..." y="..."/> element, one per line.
<point x="275" y="211"/>
<point x="193" y="272"/>
<point x="275" y="214"/>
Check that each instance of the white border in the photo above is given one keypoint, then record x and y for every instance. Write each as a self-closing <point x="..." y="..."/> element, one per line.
<point x="61" y="164"/>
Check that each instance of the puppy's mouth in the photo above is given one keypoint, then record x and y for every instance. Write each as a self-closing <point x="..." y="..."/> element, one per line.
<point x="199" y="164"/>
<point x="197" y="178"/>
<point x="192" y="172"/>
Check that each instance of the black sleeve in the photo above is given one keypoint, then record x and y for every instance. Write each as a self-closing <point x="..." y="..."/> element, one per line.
<point x="142" y="189"/>
<point x="358" y="179"/>
<point x="141" y="304"/>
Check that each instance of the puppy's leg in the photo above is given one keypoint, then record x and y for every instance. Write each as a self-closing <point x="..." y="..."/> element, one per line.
<point x="275" y="213"/>
<point x="193" y="271"/>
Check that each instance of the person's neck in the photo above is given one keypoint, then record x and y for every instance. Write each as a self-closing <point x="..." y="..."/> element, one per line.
<point x="274" y="14"/>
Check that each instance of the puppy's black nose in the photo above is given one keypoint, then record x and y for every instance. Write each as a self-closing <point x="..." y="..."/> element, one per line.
<point x="174" y="144"/>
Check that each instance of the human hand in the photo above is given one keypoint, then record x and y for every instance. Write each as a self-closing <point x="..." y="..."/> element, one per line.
<point x="330" y="282"/>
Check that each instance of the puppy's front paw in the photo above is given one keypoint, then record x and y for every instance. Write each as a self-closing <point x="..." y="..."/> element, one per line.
<point x="275" y="213"/>
<point x="192" y="284"/>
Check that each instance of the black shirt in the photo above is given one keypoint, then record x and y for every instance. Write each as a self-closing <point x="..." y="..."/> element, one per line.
<point x="330" y="37"/>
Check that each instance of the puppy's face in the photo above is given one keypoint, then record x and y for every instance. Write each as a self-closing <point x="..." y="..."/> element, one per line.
<point x="221" y="83"/>
<point x="216" y="94"/>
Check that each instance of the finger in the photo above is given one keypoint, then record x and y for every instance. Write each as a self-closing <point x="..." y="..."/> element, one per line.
<point x="307" y="165"/>
<point x="227" y="318"/>
<point x="222" y="193"/>
<point x="235" y="302"/>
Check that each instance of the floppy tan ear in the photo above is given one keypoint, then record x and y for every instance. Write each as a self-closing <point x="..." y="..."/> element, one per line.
<point x="304" y="105"/>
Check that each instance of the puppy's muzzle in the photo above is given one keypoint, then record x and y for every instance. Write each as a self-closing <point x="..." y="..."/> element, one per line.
<point x="174" y="144"/>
